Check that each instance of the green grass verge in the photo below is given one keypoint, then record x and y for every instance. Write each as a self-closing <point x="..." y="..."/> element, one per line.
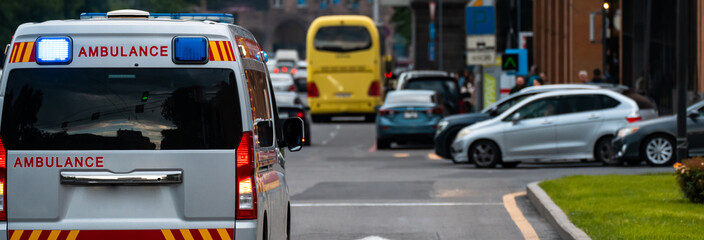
<point x="628" y="206"/>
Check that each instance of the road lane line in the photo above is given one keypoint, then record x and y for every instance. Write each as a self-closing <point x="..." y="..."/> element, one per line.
<point x="517" y="216"/>
<point x="401" y="155"/>
<point x="398" y="204"/>
<point x="433" y="156"/>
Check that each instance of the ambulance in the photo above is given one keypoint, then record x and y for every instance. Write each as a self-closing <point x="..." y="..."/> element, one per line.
<point x="131" y="125"/>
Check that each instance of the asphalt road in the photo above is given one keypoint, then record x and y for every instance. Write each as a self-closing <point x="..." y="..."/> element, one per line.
<point x="343" y="188"/>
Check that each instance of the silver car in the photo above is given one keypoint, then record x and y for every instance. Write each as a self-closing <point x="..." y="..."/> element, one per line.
<point x="283" y="82"/>
<point x="557" y="125"/>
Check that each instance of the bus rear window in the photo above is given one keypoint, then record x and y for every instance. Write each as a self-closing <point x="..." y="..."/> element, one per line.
<point x="113" y="109"/>
<point x="342" y="39"/>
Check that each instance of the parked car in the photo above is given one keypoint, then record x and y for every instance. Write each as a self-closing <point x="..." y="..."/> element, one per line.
<point x="446" y="87"/>
<point x="290" y="105"/>
<point x="419" y="73"/>
<point x="283" y="82"/>
<point x="653" y="141"/>
<point x="408" y="115"/>
<point x="450" y="125"/>
<point x="556" y="125"/>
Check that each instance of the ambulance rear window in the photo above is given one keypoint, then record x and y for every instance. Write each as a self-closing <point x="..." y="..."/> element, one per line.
<point x="111" y="109"/>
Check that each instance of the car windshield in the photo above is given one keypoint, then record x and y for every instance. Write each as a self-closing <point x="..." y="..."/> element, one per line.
<point x="107" y="109"/>
<point x="446" y="87"/>
<point x="409" y="99"/>
<point x="284" y="63"/>
<point x="342" y="39"/>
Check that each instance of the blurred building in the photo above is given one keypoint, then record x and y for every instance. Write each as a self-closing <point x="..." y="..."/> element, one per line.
<point x="639" y="49"/>
<point x="279" y="24"/>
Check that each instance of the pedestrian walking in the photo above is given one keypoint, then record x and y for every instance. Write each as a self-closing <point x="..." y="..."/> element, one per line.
<point x="520" y="84"/>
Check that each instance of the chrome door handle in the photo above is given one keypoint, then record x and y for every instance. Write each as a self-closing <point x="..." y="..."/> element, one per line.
<point x="138" y="177"/>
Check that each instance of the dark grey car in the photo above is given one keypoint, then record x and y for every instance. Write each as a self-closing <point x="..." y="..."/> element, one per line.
<point x="653" y="141"/>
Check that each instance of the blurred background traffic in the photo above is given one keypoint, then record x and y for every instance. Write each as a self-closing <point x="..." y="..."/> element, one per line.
<point x="428" y="71"/>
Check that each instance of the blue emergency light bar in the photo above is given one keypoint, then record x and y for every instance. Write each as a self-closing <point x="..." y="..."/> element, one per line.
<point x="53" y="50"/>
<point x="190" y="50"/>
<point x="215" y="17"/>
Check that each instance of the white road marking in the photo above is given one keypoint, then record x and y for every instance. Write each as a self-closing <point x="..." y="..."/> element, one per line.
<point x="397" y="204"/>
<point x="433" y="156"/>
<point x="517" y="216"/>
<point x="374" y="238"/>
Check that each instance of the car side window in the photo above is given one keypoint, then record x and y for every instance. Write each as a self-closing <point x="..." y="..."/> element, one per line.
<point x="579" y="103"/>
<point x="539" y="108"/>
<point x="608" y="102"/>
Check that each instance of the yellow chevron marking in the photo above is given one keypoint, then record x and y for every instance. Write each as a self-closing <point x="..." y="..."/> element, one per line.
<point x="205" y="234"/>
<point x="223" y="234"/>
<point x="72" y="235"/>
<point x="186" y="234"/>
<point x="167" y="234"/>
<point x="54" y="234"/>
<point x="17" y="234"/>
<point x="35" y="234"/>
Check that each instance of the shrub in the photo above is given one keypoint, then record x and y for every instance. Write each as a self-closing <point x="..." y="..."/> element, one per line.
<point x="690" y="176"/>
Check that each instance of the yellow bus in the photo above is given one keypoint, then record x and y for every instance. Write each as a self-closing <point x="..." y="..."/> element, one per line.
<point x="344" y="71"/>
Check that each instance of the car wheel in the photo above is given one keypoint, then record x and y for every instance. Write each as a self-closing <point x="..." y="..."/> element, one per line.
<point x="659" y="150"/>
<point x="383" y="144"/>
<point x="510" y="164"/>
<point x="485" y="154"/>
<point x="603" y="152"/>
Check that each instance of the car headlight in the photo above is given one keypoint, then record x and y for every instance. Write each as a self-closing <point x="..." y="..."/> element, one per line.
<point x="627" y="131"/>
<point x="463" y="133"/>
<point x="441" y="126"/>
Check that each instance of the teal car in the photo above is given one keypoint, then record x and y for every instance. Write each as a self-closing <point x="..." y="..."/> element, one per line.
<point x="408" y="115"/>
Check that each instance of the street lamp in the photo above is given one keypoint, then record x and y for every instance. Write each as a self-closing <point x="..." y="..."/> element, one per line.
<point x="606" y="6"/>
<point x="605" y="25"/>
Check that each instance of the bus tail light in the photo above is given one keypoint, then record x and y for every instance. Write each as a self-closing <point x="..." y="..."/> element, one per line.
<point x="246" y="199"/>
<point x="3" y="181"/>
<point x="374" y="89"/>
<point x="313" y="90"/>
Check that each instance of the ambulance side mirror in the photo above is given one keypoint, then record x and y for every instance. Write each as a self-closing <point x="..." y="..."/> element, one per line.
<point x="293" y="134"/>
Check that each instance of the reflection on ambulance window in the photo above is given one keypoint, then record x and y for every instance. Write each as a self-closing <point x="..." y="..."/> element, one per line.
<point x="104" y="109"/>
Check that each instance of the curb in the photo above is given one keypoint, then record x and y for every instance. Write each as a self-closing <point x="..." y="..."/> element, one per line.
<point x="555" y="216"/>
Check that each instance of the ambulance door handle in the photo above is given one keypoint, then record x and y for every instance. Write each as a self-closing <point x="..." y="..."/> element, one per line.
<point x="138" y="177"/>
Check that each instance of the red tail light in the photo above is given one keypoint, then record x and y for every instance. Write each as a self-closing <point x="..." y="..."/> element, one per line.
<point x="299" y="114"/>
<point x="374" y="89"/>
<point x="633" y="118"/>
<point x="3" y="181"/>
<point x="313" y="90"/>
<point x="284" y="69"/>
<point x="436" y="111"/>
<point x="386" y="112"/>
<point x="276" y="70"/>
<point x="292" y="88"/>
<point x="388" y="74"/>
<point x="246" y="199"/>
<point x="463" y="107"/>
<point x="293" y="71"/>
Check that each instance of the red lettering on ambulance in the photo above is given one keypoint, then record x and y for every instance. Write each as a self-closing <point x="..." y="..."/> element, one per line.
<point x="29" y="162"/>
<point x="133" y="51"/>
<point x="99" y="162"/>
<point x="82" y="52"/>
<point x="58" y="162"/>
<point x="143" y="51"/>
<point x="114" y="53"/>
<point x="17" y="162"/>
<point x="39" y="162"/>
<point x="78" y="161"/>
<point x="68" y="162"/>
<point x="93" y="52"/>
<point x="89" y="162"/>
<point x="122" y="52"/>
<point x="103" y="51"/>
<point x="152" y="52"/>
<point x="163" y="51"/>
